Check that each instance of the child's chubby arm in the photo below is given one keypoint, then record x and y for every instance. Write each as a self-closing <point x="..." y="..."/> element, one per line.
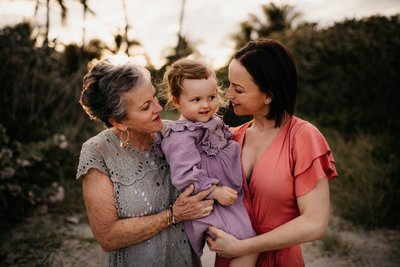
<point x="225" y="195"/>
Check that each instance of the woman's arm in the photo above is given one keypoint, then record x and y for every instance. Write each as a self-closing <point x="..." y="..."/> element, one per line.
<point x="114" y="233"/>
<point x="310" y="225"/>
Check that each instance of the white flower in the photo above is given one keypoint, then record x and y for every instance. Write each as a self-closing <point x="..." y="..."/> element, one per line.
<point x="24" y="162"/>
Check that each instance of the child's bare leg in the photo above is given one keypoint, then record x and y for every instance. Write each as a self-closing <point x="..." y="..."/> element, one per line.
<point x="246" y="260"/>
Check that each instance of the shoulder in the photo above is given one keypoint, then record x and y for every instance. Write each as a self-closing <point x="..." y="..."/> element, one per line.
<point x="99" y="139"/>
<point x="305" y="135"/>
<point x="101" y="143"/>
<point x="302" y="128"/>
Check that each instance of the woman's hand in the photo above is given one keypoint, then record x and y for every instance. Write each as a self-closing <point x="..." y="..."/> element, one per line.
<point x="225" y="195"/>
<point x="225" y="245"/>
<point x="187" y="207"/>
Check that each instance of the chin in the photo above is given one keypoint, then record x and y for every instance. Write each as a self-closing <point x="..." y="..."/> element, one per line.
<point x="205" y="120"/>
<point x="158" y="126"/>
<point x="238" y="112"/>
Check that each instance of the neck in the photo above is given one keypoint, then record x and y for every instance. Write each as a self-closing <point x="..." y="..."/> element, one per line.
<point x="260" y="123"/>
<point x="139" y="141"/>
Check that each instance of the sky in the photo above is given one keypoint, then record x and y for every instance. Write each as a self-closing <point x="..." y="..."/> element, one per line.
<point x="208" y="23"/>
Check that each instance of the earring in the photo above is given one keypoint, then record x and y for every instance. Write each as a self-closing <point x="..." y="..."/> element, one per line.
<point x="124" y="143"/>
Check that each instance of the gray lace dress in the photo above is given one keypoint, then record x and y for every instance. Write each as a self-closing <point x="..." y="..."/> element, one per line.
<point x="142" y="186"/>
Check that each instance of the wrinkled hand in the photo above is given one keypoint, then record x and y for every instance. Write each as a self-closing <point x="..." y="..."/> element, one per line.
<point x="225" y="245"/>
<point x="187" y="207"/>
<point x="225" y="195"/>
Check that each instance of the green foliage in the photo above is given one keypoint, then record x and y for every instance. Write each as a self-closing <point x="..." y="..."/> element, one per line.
<point x="349" y="73"/>
<point x="368" y="189"/>
<point x="42" y="124"/>
<point x="333" y="244"/>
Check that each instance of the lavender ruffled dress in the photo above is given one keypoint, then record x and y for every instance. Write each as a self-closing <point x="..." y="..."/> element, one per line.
<point x="204" y="154"/>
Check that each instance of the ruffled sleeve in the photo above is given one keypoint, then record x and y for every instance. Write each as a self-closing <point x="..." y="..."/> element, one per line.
<point x="179" y="147"/>
<point x="89" y="158"/>
<point x="312" y="159"/>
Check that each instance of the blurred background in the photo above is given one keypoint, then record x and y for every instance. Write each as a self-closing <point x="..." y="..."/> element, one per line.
<point x="349" y="73"/>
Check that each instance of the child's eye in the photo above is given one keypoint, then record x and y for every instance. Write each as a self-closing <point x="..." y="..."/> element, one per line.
<point x="212" y="97"/>
<point x="195" y="99"/>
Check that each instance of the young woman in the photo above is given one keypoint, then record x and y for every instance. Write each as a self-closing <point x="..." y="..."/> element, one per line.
<point x="286" y="161"/>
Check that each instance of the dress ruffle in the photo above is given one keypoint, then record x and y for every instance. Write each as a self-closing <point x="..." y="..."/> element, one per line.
<point x="313" y="159"/>
<point x="208" y="145"/>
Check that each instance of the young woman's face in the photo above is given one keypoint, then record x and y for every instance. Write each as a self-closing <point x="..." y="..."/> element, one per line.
<point x="244" y="94"/>
<point x="198" y="99"/>
<point x="143" y="110"/>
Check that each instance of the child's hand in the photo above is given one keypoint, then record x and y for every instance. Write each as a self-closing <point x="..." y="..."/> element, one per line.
<point x="224" y="195"/>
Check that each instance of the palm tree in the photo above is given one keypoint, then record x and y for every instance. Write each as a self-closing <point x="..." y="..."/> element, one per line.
<point x="86" y="9"/>
<point x="119" y="39"/>
<point x="244" y="34"/>
<point x="277" y="19"/>
<point x="184" y="46"/>
<point x="47" y="27"/>
<point x="181" y="43"/>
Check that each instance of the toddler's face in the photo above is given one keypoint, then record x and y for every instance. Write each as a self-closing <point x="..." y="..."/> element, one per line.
<point x="198" y="99"/>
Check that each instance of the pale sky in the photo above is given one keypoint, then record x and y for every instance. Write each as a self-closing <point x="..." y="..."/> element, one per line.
<point x="209" y="23"/>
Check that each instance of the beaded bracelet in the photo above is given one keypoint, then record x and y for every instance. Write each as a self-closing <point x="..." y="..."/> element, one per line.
<point x="171" y="218"/>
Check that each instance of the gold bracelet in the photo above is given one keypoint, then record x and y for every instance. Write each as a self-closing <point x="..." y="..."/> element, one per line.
<point x="171" y="218"/>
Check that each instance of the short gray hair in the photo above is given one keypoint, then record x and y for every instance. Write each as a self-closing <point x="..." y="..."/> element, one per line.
<point x="104" y="85"/>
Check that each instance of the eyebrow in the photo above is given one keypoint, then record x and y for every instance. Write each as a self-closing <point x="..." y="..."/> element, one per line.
<point x="236" y="84"/>
<point x="155" y="93"/>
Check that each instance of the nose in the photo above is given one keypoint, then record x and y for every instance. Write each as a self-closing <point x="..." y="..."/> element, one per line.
<point x="157" y="107"/>
<point x="228" y="93"/>
<point x="205" y="104"/>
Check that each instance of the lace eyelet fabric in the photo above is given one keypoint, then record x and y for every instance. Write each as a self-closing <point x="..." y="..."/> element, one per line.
<point x="142" y="186"/>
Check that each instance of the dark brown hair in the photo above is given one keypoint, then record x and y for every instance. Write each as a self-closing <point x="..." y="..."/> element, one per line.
<point x="273" y="69"/>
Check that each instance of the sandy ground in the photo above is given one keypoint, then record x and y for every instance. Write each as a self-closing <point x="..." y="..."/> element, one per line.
<point x="348" y="247"/>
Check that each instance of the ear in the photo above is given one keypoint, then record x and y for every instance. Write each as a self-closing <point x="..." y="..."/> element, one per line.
<point x="175" y="102"/>
<point x="267" y="99"/>
<point x="118" y="124"/>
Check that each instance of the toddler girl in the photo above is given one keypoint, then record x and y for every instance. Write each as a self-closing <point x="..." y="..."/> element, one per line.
<point x="200" y="151"/>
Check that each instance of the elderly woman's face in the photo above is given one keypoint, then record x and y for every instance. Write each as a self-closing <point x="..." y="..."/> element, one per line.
<point x="143" y="109"/>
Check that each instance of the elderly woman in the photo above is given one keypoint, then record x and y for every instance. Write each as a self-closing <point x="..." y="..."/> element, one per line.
<point x="134" y="211"/>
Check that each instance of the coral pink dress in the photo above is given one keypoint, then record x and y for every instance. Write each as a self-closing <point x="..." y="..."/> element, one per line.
<point x="290" y="167"/>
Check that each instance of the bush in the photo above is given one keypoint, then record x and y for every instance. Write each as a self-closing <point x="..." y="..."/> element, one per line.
<point x="42" y="124"/>
<point x="367" y="190"/>
<point x="348" y="74"/>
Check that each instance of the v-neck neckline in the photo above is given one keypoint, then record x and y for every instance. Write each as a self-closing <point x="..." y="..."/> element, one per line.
<point x="242" y="139"/>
